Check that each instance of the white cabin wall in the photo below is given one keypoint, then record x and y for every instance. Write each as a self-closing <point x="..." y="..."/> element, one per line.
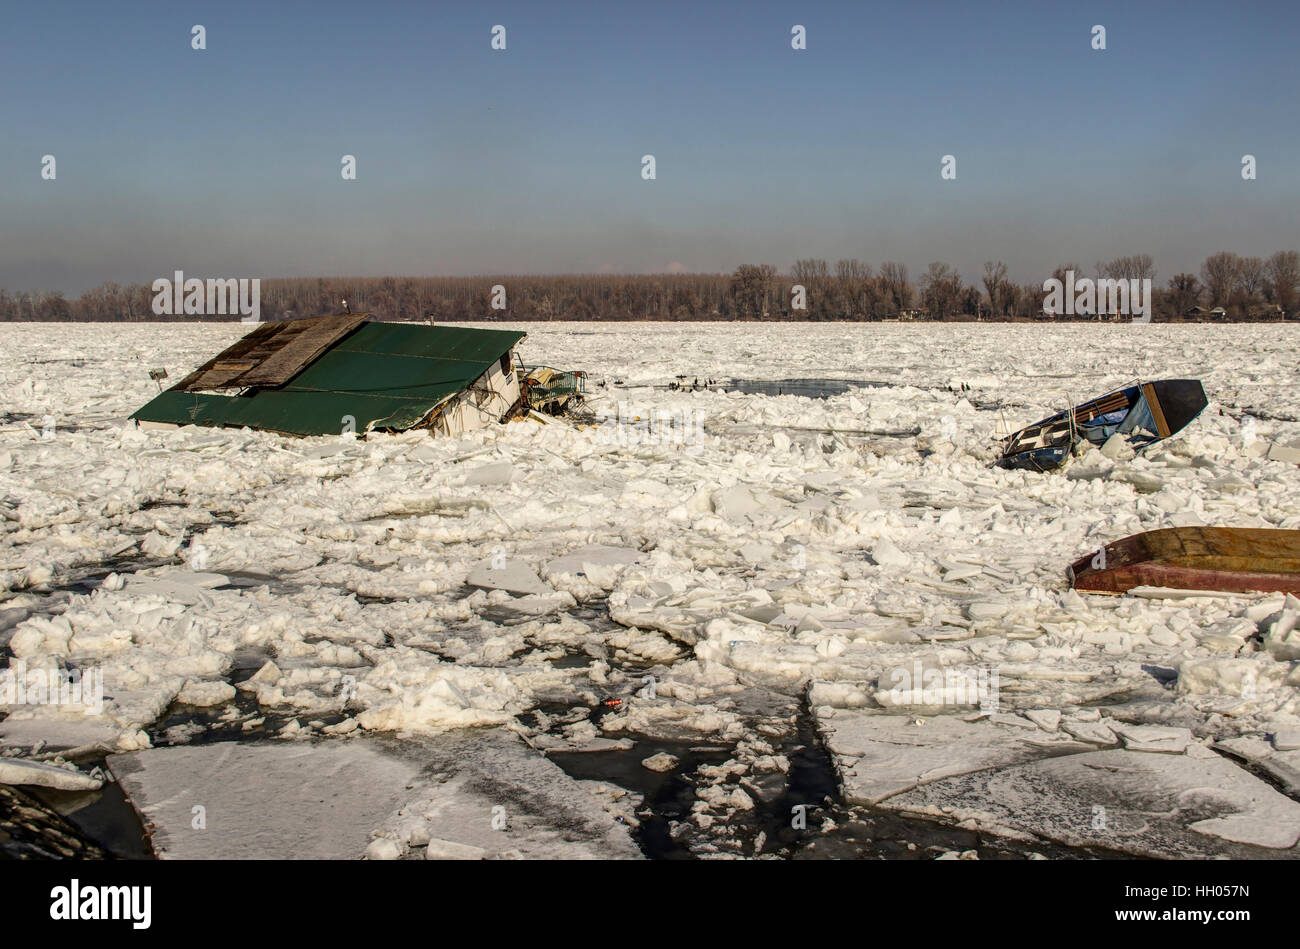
<point x="463" y="415"/>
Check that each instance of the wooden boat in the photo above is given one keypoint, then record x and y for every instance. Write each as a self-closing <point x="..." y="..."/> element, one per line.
<point x="1143" y="414"/>
<point x="1228" y="559"/>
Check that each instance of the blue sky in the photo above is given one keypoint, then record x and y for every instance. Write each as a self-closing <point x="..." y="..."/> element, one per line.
<point x="226" y="161"/>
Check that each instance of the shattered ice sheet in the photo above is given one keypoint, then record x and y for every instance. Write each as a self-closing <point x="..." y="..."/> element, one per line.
<point x="790" y="542"/>
<point x="1154" y="805"/>
<point x="880" y="756"/>
<point x="248" y="802"/>
<point x="478" y="796"/>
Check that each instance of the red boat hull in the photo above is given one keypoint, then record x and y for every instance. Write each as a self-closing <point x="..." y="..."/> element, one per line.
<point x="1228" y="559"/>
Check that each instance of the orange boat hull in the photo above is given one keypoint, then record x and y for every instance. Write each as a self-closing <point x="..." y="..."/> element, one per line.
<point x="1230" y="559"/>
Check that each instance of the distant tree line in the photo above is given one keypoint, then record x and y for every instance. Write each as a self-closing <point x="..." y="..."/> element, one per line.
<point x="1228" y="287"/>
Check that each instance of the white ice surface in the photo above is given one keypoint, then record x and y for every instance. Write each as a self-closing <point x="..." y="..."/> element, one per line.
<point x="484" y="795"/>
<point x="794" y="541"/>
<point x="15" y="771"/>
<point x="1155" y="805"/>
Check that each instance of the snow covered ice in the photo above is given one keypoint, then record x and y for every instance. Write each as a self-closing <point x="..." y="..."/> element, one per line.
<point x="790" y="557"/>
<point x="340" y="800"/>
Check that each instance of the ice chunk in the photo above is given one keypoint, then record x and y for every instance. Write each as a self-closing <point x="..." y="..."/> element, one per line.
<point x="840" y="694"/>
<point x="1091" y="467"/>
<point x="410" y="690"/>
<point x="1094" y="733"/>
<point x="1285" y="453"/>
<point x="595" y="567"/>
<point x="497" y="473"/>
<point x="438" y="849"/>
<point x="57" y="734"/>
<point x="514" y="576"/>
<point x="205" y="694"/>
<point x="660" y="762"/>
<point x="490" y="793"/>
<point x="1154" y="738"/>
<point x="886" y="554"/>
<point x="188" y="587"/>
<point x="884" y="755"/>
<point x="264" y="801"/>
<point x="1287" y="739"/>
<point x="39" y="774"/>
<point x="1048" y="719"/>
<point x="483" y="790"/>
<point x="1281" y="763"/>
<point x="1146" y="482"/>
<point x="1283" y="636"/>
<point x="1242" y="677"/>
<point x="1117" y="448"/>
<point x="1152" y="805"/>
<point x="382" y="848"/>
<point x="735" y="503"/>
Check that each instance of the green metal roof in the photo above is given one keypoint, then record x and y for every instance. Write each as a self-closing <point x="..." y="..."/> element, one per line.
<point x="384" y="375"/>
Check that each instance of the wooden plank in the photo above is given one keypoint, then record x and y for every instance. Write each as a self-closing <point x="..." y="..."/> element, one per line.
<point x="297" y="346"/>
<point x="208" y="376"/>
<point x="1102" y="406"/>
<point x="1157" y="413"/>
<point x="271" y="355"/>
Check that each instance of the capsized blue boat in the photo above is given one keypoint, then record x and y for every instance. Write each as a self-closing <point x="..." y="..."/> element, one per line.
<point x="1143" y="414"/>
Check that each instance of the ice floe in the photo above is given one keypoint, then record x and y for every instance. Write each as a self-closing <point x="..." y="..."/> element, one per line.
<point x="398" y="587"/>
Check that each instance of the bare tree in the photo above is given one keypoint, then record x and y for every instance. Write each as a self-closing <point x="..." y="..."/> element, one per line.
<point x="995" y="285"/>
<point x="1184" y="293"/>
<point x="814" y="275"/>
<point x="1219" y="274"/>
<point x="808" y="270"/>
<point x="1060" y="271"/>
<point x="1134" y="267"/>
<point x="1248" y="293"/>
<point x="894" y="287"/>
<point x="751" y="289"/>
<point x="1250" y="275"/>
<point x="1284" y="279"/>
<point x="941" y="290"/>
<point x="852" y="278"/>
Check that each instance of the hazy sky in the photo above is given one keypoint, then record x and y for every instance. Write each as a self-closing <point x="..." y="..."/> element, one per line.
<point x="226" y="162"/>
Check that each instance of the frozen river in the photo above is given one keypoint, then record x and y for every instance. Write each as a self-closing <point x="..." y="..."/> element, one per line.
<point x="723" y="583"/>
